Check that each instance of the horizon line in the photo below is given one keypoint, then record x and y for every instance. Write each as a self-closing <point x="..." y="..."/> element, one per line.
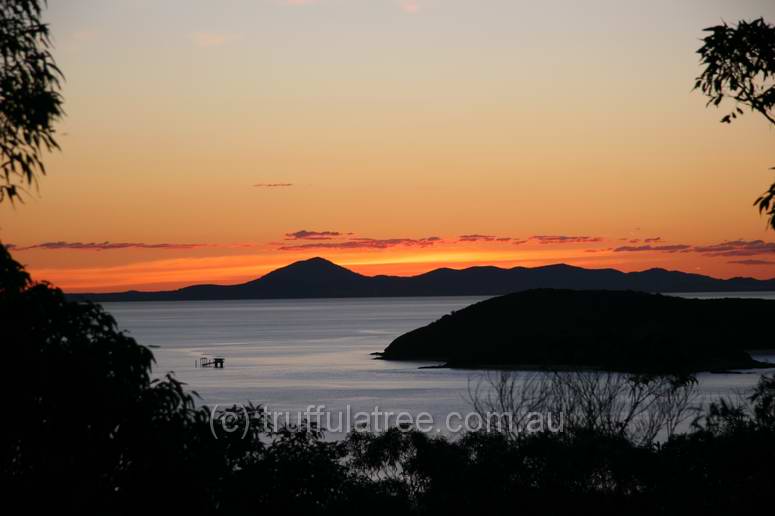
<point x="321" y="258"/>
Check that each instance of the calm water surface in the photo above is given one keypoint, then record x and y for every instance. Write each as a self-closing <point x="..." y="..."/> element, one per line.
<point x="289" y="354"/>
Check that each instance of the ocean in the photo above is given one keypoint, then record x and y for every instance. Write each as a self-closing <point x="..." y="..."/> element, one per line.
<point x="290" y="355"/>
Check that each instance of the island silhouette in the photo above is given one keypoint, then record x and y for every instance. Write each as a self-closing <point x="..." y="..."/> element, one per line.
<point x="596" y="329"/>
<point x="321" y="278"/>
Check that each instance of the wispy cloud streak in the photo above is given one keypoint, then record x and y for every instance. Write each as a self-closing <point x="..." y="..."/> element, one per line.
<point x="564" y="239"/>
<point x="675" y="248"/>
<point x="312" y="235"/>
<point x="738" y="248"/>
<point x="106" y="246"/>
<point x="728" y="248"/>
<point x="482" y="238"/>
<point x="752" y="262"/>
<point x="365" y="243"/>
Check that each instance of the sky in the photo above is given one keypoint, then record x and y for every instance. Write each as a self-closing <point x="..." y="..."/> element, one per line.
<point x="213" y="141"/>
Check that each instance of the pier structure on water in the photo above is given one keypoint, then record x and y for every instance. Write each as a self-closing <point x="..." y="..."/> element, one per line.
<point x="210" y="361"/>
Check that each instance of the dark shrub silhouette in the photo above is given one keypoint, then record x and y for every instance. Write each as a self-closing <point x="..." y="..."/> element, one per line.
<point x="75" y="380"/>
<point x="86" y="423"/>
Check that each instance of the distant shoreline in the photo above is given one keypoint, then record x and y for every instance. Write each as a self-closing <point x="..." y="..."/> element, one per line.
<point x="318" y="278"/>
<point x="769" y="294"/>
<point x="754" y="365"/>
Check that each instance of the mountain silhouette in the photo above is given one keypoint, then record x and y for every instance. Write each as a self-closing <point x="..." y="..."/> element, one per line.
<point x="320" y="278"/>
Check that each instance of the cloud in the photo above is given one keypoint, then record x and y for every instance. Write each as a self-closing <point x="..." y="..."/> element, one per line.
<point x="106" y="246"/>
<point x="312" y="235"/>
<point x="410" y="6"/>
<point x="542" y="239"/>
<point x="728" y="248"/>
<point x="272" y="185"/>
<point x="652" y="240"/>
<point x="365" y="243"/>
<point x="676" y="248"/>
<point x="752" y="262"/>
<point x="562" y="239"/>
<point x="207" y="39"/>
<point x="475" y="237"/>
<point x="737" y="248"/>
<point x="10" y="246"/>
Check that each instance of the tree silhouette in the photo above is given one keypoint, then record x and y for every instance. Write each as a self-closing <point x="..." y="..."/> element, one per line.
<point x="30" y="102"/>
<point x="740" y="65"/>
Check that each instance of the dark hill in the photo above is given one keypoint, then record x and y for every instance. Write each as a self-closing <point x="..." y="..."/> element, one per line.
<point x="317" y="277"/>
<point x="616" y="330"/>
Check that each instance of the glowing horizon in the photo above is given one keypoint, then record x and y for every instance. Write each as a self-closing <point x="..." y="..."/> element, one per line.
<point x="401" y="257"/>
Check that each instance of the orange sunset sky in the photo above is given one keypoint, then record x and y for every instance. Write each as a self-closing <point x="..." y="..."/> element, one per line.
<point x="214" y="141"/>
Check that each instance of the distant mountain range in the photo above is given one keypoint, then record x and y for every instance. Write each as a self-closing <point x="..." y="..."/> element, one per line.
<point x="320" y="278"/>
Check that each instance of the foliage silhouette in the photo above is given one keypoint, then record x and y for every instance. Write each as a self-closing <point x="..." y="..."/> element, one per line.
<point x="30" y="102"/>
<point x="89" y="425"/>
<point x="639" y="408"/>
<point x="740" y="65"/>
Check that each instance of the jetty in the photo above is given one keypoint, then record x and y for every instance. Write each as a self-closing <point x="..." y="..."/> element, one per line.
<point x="207" y="361"/>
